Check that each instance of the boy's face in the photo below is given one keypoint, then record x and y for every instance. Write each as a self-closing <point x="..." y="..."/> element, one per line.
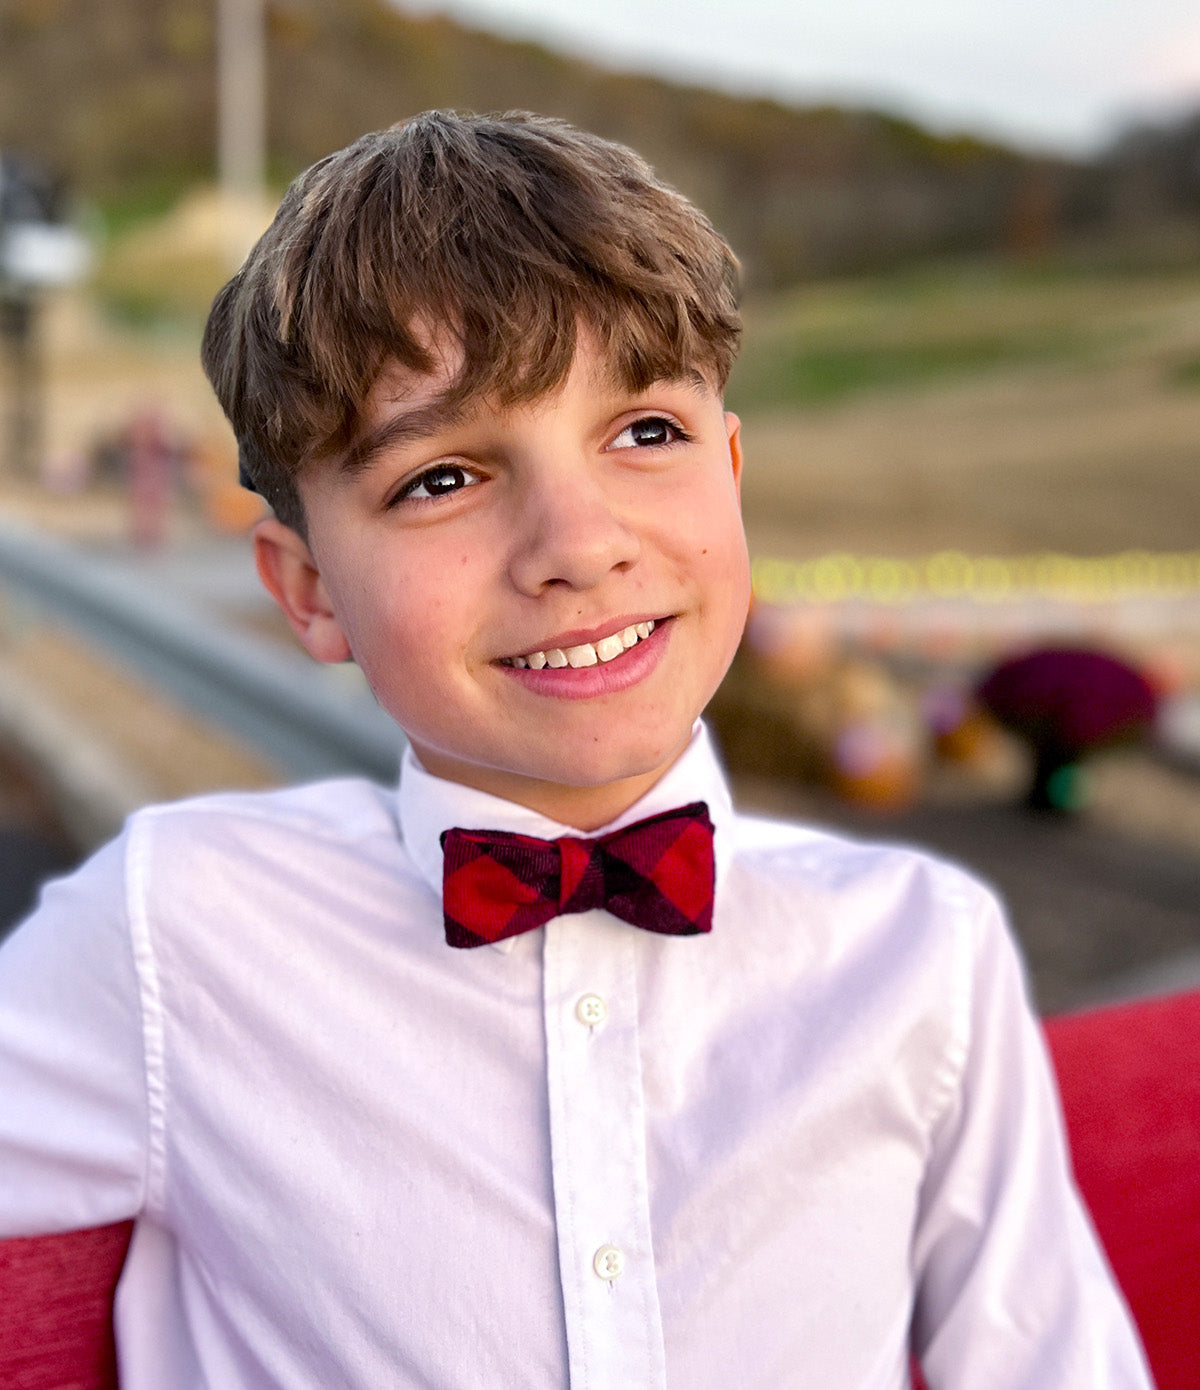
<point x="468" y="555"/>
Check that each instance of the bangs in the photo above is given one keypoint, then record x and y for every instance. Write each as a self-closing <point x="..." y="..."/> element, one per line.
<point x="501" y="235"/>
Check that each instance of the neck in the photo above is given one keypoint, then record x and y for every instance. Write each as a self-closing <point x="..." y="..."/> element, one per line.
<point x="583" y="808"/>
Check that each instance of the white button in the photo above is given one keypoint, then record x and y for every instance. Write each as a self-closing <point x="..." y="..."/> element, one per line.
<point x="591" y="1010"/>
<point x="608" y="1262"/>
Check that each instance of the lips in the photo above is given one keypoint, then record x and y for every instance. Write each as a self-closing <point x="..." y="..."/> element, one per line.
<point x="582" y="654"/>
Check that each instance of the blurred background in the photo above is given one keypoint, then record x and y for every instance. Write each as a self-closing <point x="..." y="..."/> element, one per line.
<point x="970" y="393"/>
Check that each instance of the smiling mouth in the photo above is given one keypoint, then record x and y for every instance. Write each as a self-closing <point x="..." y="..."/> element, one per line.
<point x="586" y="653"/>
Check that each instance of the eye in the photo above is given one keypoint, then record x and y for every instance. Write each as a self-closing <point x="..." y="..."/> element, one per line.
<point x="439" y="481"/>
<point x="652" y="431"/>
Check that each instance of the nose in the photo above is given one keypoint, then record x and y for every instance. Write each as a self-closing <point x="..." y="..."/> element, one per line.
<point x="571" y="533"/>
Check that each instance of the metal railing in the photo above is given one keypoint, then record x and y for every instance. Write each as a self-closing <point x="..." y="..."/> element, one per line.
<point x="307" y="721"/>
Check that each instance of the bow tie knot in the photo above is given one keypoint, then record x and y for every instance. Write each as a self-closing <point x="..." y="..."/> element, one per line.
<point x="657" y="874"/>
<point x="581" y="876"/>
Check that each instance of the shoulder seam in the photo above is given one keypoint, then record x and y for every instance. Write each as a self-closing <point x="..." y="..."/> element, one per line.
<point x="954" y="885"/>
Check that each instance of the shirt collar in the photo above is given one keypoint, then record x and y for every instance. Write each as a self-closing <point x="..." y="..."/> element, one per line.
<point x="429" y="805"/>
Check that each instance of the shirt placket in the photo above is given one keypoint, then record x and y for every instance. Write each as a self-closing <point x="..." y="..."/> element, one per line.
<point x="598" y="1154"/>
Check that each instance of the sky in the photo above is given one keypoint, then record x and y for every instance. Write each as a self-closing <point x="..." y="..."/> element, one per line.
<point x="1064" y="75"/>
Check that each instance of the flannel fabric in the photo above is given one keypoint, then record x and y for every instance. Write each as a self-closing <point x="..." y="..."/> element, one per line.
<point x="656" y="873"/>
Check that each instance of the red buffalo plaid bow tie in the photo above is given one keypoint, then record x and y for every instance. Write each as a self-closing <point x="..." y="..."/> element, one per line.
<point x="656" y="873"/>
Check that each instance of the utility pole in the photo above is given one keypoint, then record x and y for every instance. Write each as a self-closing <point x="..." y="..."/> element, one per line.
<point x="241" y="118"/>
<point x="39" y="250"/>
<point x="18" y="333"/>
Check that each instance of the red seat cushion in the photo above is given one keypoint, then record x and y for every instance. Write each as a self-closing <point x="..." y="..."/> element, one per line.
<point x="1130" y="1082"/>
<point x="56" y="1305"/>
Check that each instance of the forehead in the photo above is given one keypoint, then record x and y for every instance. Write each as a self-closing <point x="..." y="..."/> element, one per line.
<point x="432" y="398"/>
<point x="397" y="384"/>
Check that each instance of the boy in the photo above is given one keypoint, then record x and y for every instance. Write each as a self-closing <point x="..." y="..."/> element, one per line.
<point x="476" y="367"/>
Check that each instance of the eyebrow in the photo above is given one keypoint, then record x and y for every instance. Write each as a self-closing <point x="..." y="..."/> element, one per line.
<point x="686" y="376"/>
<point x="407" y="427"/>
<point x="425" y="421"/>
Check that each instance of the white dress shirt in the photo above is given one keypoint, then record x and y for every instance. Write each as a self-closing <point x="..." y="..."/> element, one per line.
<point x="776" y="1156"/>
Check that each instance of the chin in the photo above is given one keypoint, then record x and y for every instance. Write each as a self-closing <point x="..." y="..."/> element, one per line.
<point x="599" y="766"/>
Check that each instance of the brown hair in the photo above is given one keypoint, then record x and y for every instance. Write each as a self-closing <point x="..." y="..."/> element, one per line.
<point x="507" y="232"/>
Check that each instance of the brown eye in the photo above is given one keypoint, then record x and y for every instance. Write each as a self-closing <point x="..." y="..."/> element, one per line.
<point x="653" y="431"/>
<point x="444" y="480"/>
<point x="440" y="481"/>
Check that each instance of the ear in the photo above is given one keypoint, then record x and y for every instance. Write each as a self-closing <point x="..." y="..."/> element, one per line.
<point x="290" y="575"/>
<point x="733" y="428"/>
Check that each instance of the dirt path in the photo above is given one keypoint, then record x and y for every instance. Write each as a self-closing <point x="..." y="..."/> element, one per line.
<point x="1088" y="463"/>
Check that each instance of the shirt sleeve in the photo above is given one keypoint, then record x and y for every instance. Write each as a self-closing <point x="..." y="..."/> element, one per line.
<point x="1012" y="1287"/>
<point x="73" y="1096"/>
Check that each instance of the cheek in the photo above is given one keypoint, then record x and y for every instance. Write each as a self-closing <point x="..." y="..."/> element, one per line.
<point x="727" y="565"/>
<point x="722" y="546"/>
<point x="382" y="624"/>
<point x="416" y="635"/>
<point x="408" y="664"/>
<point x="733" y="580"/>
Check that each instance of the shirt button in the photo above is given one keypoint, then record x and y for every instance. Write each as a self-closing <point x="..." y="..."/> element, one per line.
<point x="608" y="1262"/>
<point x="591" y="1010"/>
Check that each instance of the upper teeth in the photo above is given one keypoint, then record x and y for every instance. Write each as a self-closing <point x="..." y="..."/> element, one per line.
<point x="587" y="653"/>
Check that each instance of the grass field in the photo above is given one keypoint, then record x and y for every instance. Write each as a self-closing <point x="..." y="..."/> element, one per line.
<point x="990" y="409"/>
